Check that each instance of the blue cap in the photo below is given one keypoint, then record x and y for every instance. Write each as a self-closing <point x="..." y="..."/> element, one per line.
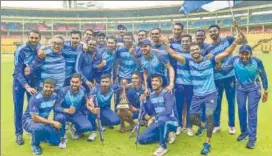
<point x="145" y="42"/>
<point x="245" y="48"/>
<point x="121" y="26"/>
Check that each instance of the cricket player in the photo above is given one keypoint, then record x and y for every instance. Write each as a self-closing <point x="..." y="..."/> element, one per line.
<point x="88" y="65"/>
<point x="142" y="34"/>
<point x="183" y="86"/>
<point x="103" y="93"/>
<point x="155" y="63"/>
<point x="163" y="121"/>
<point x="247" y="70"/>
<point x="24" y="55"/>
<point x="71" y="107"/>
<point x="101" y="42"/>
<point x="223" y="82"/>
<point x="35" y="118"/>
<point x="121" y="32"/>
<point x="175" y="44"/>
<point x="205" y="93"/>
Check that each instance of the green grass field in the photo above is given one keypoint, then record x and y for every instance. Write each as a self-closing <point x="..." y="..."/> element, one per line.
<point x="115" y="143"/>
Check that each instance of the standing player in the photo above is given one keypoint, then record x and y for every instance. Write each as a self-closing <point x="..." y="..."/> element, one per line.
<point x="183" y="86"/>
<point x="70" y="106"/>
<point x="101" y="42"/>
<point x="142" y="34"/>
<point x="247" y="69"/>
<point x="163" y="120"/>
<point x="175" y="44"/>
<point x="24" y="55"/>
<point x="155" y="63"/>
<point x="223" y="82"/>
<point x="200" y="36"/>
<point x="70" y="51"/>
<point x="35" y="119"/>
<point x="204" y="89"/>
<point x="53" y="65"/>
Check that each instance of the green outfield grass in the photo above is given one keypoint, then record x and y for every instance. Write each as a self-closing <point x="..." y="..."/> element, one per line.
<point x="117" y="144"/>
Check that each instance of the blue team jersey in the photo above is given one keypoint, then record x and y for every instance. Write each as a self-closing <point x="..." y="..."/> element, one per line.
<point x="133" y="96"/>
<point x="24" y="55"/>
<point x="40" y="105"/>
<point x="155" y="64"/>
<point x="52" y="66"/>
<point x="247" y="74"/>
<point x="202" y="74"/>
<point x="177" y="46"/>
<point x="127" y="64"/>
<point x="183" y="75"/>
<point x="110" y="58"/>
<point x="66" y="99"/>
<point x="84" y="66"/>
<point x="218" y="48"/>
<point x="203" y="49"/>
<point x="104" y="99"/>
<point x="163" y="104"/>
<point x="70" y="56"/>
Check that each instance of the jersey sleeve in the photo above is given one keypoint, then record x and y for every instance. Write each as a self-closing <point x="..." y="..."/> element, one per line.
<point x="169" y="105"/>
<point x="60" y="97"/>
<point x="163" y="59"/>
<point x="79" y="62"/>
<point x="93" y="91"/>
<point x="34" y="105"/>
<point x="262" y="73"/>
<point x="230" y="39"/>
<point x="19" y="66"/>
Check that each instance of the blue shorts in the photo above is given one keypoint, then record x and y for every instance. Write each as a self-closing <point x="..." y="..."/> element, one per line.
<point x="210" y="102"/>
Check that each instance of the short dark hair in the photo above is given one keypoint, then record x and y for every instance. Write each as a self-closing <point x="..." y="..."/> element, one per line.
<point x="76" y="75"/>
<point x="186" y="35"/>
<point x="201" y="30"/>
<point x="101" y="34"/>
<point x="179" y="24"/>
<point x="156" y="76"/>
<point x="59" y="36"/>
<point x="50" y="81"/>
<point x="129" y="34"/>
<point x="35" y="31"/>
<point x="105" y="76"/>
<point x="142" y="31"/>
<point x="194" y="44"/>
<point x="214" y="25"/>
<point x="155" y="29"/>
<point x="75" y="32"/>
<point x="113" y="38"/>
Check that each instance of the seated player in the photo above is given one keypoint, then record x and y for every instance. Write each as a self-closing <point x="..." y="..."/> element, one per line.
<point x="70" y="106"/>
<point x="164" y="120"/>
<point x="247" y="69"/>
<point x="35" y="118"/>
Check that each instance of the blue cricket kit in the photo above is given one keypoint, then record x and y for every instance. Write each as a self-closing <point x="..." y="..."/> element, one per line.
<point x="25" y="54"/>
<point x="183" y="75"/>
<point x="203" y="49"/>
<point x="177" y="46"/>
<point x="84" y="66"/>
<point x="163" y="104"/>
<point x="218" y="48"/>
<point x="110" y="58"/>
<point x="70" y="55"/>
<point x="155" y="64"/>
<point x="42" y="106"/>
<point x="127" y="63"/>
<point x="202" y="76"/>
<point x="52" y="66"/>
<point x="248" y="91"/>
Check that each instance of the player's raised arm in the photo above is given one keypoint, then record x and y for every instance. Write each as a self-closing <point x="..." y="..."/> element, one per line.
<point x="229" y="50"/>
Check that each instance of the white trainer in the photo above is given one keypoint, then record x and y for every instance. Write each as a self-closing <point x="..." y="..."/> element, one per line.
<point x="190" y="132"/>
<point x="92" y="136"/>
<point x="232" y="130"/>
<point x="216" y="129"/>
<point x="172" y="137"/>
<point x="179" y="130"/>
<point x="160" y="151"/>
<point x="63" y="142"/>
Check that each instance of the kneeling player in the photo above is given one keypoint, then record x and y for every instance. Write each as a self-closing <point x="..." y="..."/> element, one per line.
<point x="70" y="106"/>
<point x="164" y="119"/>
<point x="35" y="118"/>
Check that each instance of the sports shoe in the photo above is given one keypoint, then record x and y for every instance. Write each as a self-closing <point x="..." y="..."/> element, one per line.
<point x="190" y="132"/>
<point x="216" y="129"/>
<point x="36" y="150"/>
<point x="19" y="139"/>
<point x="251" y="144"/>
<point x="200" y="131"/>
<point x="103" y="129"/>
<point x="63" y="142"/>
<point x="172" y="137"/>
<point x="232" y="130"/>
<point x="179" y="130"/>
<point x="242" y="137"/>
<point x="73" y="133"/>
<point x="92" y="136"/>
<point x="160" y="151"/>
<point x="206" y="149"/>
